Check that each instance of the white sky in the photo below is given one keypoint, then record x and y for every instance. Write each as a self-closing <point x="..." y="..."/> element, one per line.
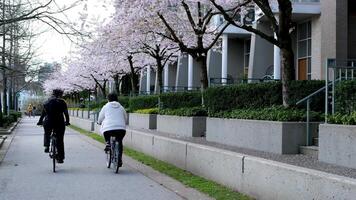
<point x="52" y="46"/>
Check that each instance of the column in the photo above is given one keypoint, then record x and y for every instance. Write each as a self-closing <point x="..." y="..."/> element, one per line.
<point x="277" y="63"/>
<point x="148" y="80"/>
<point x="166" y="78"/>
<point x="224" y="58"/>
<point x="190" y="72"/>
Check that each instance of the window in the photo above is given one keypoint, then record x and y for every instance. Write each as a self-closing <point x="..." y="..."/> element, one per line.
<point x="304" y="50"/>
<point x="247" y="47"/>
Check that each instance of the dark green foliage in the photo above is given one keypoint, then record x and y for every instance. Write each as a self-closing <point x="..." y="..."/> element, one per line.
<point x="188" y="112"/>
<point x="147" y="111"/>
<point x="349" y="119"/>
<point x="345" y="97"/>
<point x="260" y="95"/>
<point x="143" y="102"/>
<point x="301" y="89"/>
<point x="180" y="100"/>
<point x="243" y="96"/>
<point x="11" y="118"/>
<point x="275" y="113"/>
<point x="124" y="101"/>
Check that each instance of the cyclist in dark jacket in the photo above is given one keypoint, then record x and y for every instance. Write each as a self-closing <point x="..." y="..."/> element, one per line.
<point x="52" y="119"/>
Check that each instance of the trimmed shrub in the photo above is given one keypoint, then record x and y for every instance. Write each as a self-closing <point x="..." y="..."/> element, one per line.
<point x="188" y="112"/>
<point x="180" y="100"/>
<point x="124" y="101"/>
<point x="275" y="113"/>
<point x="345" y="97"/>
<point x="260" y="95"/>
<point x="338" y="118"/>
<point x="143" y="102"/>
<point x="243" y="96"/>
<point x="147" y="111"/>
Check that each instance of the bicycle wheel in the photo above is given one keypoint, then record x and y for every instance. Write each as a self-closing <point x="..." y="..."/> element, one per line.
<point x="54" y="153"/>
<point x="117" y="164"/>
<point x="108" y="158"/>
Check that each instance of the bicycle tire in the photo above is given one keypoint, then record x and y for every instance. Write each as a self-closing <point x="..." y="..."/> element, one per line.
<point x="117" y="166"/>
<point x="108" y="158"/>
<point x="54" y="153"/>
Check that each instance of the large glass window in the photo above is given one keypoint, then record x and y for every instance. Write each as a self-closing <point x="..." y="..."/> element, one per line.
<point x="304" y="50"/>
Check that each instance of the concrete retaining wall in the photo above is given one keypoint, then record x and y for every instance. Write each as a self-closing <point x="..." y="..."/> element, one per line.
<point x="82" y="123"/>
<point x="337" y="144"/>
<point x="145" y="121"/>
<point x="269" y="136"/>
<point x="182" y="126"/>
<point x="260" y="178"/>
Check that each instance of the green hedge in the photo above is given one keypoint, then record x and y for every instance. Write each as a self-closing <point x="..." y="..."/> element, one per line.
<point x="180" y="100"/>
<point x="274" y="113"/>
<point x="345" y="97"/>
<point x="147" y="111"/>
<point x="11" y="118"/>
<point x="349" y="119"/>
<point x="124" y="101"/>
<point x="189" y="112"/>
<point x="143" y="102"/>
<point x="260" y="95"/>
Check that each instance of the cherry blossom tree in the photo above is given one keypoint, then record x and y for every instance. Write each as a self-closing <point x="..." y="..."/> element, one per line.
<point x="281" y="24"/>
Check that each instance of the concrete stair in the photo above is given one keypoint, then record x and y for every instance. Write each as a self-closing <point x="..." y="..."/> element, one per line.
<point x="312" y="151"/>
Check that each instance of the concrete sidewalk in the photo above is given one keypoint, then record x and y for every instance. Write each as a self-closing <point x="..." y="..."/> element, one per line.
<point x="25" y="172"/>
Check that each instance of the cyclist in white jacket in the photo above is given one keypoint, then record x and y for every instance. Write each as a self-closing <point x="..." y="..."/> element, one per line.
<point x="112" y="118"/>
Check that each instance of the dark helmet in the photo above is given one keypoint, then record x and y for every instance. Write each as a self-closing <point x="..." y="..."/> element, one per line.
<point x="57" y="92"/>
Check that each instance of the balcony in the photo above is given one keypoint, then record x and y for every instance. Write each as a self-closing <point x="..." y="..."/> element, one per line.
<point x="302" y="9"/>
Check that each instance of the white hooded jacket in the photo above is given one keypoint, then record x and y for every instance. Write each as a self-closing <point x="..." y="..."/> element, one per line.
<point x="112" y="117"/>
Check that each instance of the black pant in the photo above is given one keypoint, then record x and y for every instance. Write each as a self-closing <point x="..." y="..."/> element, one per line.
<point x="119" y="134"/>
<point x="59" y="135"/>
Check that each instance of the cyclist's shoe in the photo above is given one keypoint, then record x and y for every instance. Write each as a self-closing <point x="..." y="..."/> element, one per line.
<point x="107" y="147"/>
<point x="46" y="150"/>
<point x="119" y="163"/>
<point x="60" y="161"/>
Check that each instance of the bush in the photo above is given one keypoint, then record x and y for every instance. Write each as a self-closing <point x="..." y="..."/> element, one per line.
<point x="180" y="100"/>
<point x="124" y="101"/>
<point x="147" y="111"/>
<point x="188" y="112"/>
<point x="343" y="119"/>
<point x="345" y="97"/>
<point x="275" y="113"/>
<point x="260" y="95"/>
<point x="143" y="102"/>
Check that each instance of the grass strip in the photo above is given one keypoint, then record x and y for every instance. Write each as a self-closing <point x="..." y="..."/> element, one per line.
<point x="203" y="185"/>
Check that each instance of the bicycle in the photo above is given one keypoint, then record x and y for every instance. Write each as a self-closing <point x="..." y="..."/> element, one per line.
<point x="112" y="155"/>
<point x="53" y="152"/>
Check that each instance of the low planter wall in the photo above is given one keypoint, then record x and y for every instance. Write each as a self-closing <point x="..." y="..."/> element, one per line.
<point x="82" y="123"/>
<point x="145" y="121"/>
<point x="182" y="126"/>
<point x="260" y="178"/>
<point x="268" y="136"/>
<point x="337" y="144"/>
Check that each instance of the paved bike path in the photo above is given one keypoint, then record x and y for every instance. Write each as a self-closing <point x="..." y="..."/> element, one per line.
<point x="25" y="172"/>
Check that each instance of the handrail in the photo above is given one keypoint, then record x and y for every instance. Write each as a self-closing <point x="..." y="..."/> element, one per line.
<point x="316" y="92"/>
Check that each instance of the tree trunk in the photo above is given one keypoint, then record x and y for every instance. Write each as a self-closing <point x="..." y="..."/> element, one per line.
<point x="287" y="74"/>
<point x="117" y="84"/>
<point x="132" y="75"/>
<point x="159" y="75"/>
<point x="204" y="72"/>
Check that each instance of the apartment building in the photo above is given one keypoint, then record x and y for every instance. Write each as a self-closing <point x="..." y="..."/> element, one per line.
<point x="324" y="29"/>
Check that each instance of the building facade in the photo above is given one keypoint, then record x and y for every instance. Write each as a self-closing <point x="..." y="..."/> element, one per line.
<point x="324" y="29"/>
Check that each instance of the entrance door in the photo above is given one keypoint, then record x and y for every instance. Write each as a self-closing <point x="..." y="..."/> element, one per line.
<point x="302" y="69"/>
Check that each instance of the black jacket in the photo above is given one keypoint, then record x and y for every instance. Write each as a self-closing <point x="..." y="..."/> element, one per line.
<point x="55" y="109"/>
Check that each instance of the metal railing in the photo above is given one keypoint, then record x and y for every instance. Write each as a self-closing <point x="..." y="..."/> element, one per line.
<point x="337" y="70"/>
<point x="229" y="81"/>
